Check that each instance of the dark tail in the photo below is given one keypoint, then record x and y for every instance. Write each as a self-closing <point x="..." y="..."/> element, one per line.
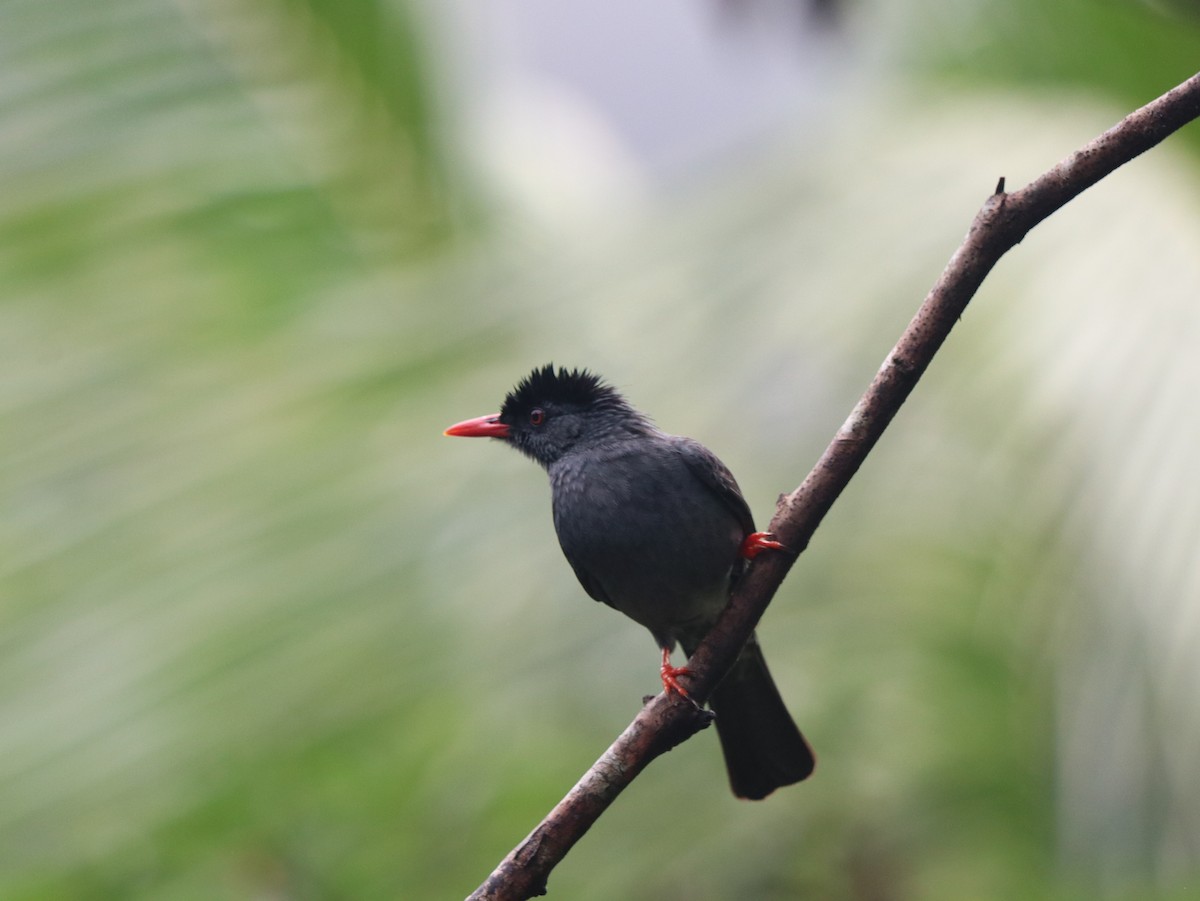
<point x="763" y="748"/>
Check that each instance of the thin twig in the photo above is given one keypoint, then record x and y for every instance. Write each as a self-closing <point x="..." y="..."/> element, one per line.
<point x="665" y="721"/>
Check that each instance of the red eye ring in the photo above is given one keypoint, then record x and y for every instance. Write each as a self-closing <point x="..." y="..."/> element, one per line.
<point x="537" y="416"/>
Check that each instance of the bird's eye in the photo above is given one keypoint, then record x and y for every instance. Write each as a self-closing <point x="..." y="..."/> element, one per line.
<point x="537" y="416"/>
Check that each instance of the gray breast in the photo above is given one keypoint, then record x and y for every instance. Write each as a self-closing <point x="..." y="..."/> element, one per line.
<point x="645" y="535"/>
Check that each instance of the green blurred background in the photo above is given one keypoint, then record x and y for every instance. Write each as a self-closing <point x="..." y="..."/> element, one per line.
<point x="265" y="633"/>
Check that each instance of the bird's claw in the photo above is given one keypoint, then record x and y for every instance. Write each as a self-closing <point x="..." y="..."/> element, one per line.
<point x="670" y="678"/>
<point x="757" y="542"/>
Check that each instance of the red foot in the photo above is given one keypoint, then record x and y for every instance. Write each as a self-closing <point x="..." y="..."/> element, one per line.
<point x="757" y="542"/>
<point x="670" y="675"/>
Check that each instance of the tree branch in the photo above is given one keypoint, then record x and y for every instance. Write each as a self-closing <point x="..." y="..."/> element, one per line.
<point x="665" y="721"/>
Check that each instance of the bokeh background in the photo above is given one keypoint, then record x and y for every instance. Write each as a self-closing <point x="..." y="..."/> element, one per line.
<point x="266" y="634"/>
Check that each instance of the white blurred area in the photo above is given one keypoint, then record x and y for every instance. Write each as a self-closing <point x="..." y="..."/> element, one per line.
<point x="573" y="109"/>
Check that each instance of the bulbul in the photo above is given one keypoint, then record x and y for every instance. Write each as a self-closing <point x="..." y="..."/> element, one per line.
<point x="655" y="526"/>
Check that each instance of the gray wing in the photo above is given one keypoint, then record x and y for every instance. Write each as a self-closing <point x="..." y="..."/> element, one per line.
<point x="588" y="581"/>
<point x="717" y="478"/>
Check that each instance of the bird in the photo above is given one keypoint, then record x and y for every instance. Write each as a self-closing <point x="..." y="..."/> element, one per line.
<point x="655" y="526"/>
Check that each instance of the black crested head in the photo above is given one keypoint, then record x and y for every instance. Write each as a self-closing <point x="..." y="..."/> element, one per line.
<point x="567" y="387"/>
<point x="552" y="411"/>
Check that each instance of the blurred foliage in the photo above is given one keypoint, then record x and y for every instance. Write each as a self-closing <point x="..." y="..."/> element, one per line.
<point x="1127" y="50"/>
<point x="266" y="634"/>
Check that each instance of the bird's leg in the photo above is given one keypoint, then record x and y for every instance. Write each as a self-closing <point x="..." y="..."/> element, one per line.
<point x="670" y="675"/>
<point x="757" y="542"/>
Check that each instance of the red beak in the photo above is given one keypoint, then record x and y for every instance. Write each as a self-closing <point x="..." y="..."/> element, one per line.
<point x="488" y="426"/>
